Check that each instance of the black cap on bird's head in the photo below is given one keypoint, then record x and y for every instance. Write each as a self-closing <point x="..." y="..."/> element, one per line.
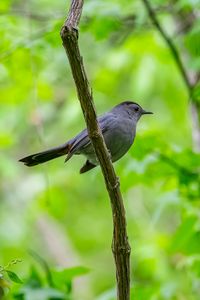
<point x="133" y="109"/>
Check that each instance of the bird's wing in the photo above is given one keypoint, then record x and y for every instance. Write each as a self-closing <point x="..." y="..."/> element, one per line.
<point x="82" y="139"/>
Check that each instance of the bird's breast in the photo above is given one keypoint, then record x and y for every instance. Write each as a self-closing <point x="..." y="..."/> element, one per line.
<point x="120" y="139"/>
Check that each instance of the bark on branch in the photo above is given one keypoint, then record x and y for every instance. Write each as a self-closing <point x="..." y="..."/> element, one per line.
<point x="120" y="246"/>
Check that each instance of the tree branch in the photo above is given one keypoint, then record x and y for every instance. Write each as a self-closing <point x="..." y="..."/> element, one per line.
<point x="189" y="79"/>
<point x="120" y="246"/>
<point x="170" y="44"/>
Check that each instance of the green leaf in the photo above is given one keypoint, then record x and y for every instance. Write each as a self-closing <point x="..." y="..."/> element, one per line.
<point x="14" y="277"/>
<point x="44" y="265"/>
<point x="70" y="273"/>
<point x="34" y="279"/>
<point x="67" y="275"/>
<point x="186" y="240"/>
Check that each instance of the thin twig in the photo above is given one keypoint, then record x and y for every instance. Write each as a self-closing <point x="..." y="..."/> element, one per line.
<point x="120" y="245"/>
<point x="170" y="44"/>
<point x="187" y="76"/>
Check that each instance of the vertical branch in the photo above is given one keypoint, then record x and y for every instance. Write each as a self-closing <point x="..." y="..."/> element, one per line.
<point x="120" y="245"/>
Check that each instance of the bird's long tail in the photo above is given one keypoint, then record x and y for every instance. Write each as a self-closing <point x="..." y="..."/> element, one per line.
<point x="41" y="157"/>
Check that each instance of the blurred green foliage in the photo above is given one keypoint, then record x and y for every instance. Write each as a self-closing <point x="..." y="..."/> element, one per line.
<point x="66" y="217"/>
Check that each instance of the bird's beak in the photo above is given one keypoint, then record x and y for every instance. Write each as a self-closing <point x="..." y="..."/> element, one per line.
<point x="144" y="112"/>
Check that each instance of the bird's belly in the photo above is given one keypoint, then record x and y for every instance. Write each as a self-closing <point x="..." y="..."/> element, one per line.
<point x="118" y="143"/>
<point x="88" y="151"/>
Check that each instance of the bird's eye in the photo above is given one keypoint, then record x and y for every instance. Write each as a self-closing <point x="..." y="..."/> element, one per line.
<point x="136" y="108"/>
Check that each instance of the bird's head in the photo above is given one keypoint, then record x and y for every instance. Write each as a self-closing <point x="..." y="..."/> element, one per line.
<point x="132" y="109"/>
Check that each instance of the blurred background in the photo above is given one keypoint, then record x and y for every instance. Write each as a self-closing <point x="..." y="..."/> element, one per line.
<point x="58" y="223"/>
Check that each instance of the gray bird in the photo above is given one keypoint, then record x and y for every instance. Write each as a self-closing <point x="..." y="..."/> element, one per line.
<point x="118" y="128"/>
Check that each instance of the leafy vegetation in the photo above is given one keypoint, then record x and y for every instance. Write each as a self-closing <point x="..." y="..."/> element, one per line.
<point x="64" y="217"/>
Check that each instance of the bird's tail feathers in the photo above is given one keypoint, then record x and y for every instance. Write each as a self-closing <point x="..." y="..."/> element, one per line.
<point x="41" y="157"/>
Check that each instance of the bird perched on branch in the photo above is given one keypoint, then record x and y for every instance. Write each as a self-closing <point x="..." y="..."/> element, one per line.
<point x="118" y="127"/>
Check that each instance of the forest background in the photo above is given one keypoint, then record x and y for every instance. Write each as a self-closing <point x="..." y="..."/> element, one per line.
<point x="55" y="224"/>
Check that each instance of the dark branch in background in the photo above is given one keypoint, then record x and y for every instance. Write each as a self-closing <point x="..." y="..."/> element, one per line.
<point x="120" y="245"/>
<point x="189" y="79"/>
<point x="170" y="44"/>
